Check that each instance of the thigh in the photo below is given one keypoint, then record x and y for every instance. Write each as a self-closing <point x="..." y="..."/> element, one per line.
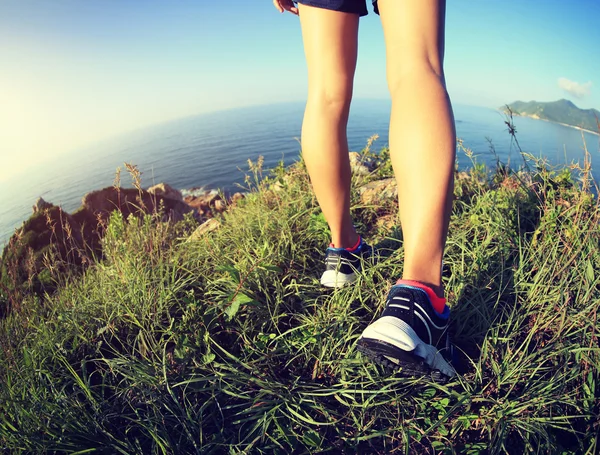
<point x="331" y="46"/>
<point x="414" y="33"/>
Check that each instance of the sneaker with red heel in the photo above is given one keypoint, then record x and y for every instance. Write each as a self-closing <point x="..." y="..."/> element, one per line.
<point x="411" y="335"/>
<point x="342" y="265"/>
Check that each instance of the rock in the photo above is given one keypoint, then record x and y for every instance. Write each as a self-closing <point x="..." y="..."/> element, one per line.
<point x="203" y="201"/>
<point x="196" y="202"/>
<point x="379" y="190"/>
<point x="210" y="198"/>
<point x="167" y="191"/>
<point x="132" y="201"/>
<point x="387" y="222"/>
<point x="220" y="205"/>
<point x="359" y="165"/>
<point x="41" y="205"/>
<point x="70" y="242"/>
<point x="48" y="235"/>
<point x="204" y="228"/>
<point x="206" y="204"/>
<point x="237" y="197"/>
<point x="277" y="186"/>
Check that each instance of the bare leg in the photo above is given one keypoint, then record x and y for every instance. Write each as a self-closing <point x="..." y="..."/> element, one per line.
<point x="422" y="135"/>
<point x="330" y="45"/>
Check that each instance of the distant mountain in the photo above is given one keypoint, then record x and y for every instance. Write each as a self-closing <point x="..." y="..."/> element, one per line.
<point x="561" y="111"/>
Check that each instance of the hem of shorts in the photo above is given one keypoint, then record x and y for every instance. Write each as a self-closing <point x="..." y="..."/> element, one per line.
<point x="360" y="14"/>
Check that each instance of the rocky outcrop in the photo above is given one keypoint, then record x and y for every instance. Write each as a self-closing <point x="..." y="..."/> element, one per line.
<point x="236" y="198"/>
<point x="69" y="242"/>
<point x="132" y="201"/>
<point x="167" y="191"/>
<point x="65" y="242"/>
<point x="49" y="238"/>
<point x="41" y="205"/>
<point x="360" y="165"/>
<point x="211" y="203"/>
<point x="379" y="190"/>
<point x="203" y="229"/>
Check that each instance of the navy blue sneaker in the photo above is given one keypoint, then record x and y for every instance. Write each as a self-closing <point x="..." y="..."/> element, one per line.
<point x="342" y="266"/>
<point x="410" y="335"/>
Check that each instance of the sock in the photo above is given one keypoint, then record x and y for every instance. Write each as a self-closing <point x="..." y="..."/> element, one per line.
<point x="438" y="303"/>
<point x="352" y="249"/>
<point x="356" y="245"/>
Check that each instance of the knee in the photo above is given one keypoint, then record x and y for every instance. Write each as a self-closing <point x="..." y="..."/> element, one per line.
<point x="334" y="100"/>
<point x="413" y="74"/>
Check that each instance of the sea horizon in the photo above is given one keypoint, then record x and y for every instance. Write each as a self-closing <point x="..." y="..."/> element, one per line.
<point x="208" y="150"/>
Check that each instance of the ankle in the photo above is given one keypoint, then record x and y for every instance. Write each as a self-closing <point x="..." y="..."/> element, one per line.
<point x="437" y="288"/>
<point x="348" y="241"/>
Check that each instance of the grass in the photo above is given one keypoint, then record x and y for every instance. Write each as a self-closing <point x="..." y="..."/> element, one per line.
<point x="229" y="345"/>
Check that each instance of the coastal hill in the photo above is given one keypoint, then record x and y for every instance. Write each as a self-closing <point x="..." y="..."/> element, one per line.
<point x="561" y="111"/>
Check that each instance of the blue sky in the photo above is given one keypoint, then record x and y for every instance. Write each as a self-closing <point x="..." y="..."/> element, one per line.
<point x="73" y="72"/>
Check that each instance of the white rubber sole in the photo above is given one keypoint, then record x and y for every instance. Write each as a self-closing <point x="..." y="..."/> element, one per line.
<point x="333" y="279"/>
<point x="399" y="334"/>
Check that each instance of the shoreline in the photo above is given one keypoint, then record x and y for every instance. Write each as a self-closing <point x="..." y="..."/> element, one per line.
<point x="556" y="123"/>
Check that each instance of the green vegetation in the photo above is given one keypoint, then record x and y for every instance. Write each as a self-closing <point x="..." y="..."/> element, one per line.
<point x="561" y="111"/>
<point x="227" y="344"/>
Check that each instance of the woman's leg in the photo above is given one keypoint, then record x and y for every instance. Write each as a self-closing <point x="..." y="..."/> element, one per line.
<point x="330" y="45"/>
<point x="422" y="135"/>
<point x="412" y="331"/>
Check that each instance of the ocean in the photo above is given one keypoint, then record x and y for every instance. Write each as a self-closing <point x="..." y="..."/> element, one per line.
<point x="210" y="151"/>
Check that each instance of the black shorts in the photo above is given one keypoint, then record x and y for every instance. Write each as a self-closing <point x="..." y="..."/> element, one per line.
<point x="345" y="6"/>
